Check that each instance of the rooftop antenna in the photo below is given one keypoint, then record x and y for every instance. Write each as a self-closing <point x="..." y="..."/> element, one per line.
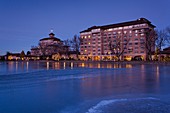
<point x="51" y="33"/>
<point x="51" y="30"/>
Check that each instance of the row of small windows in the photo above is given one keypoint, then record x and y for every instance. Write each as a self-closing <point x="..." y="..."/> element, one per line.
<point x="86" y="36"/>
<point x="126" y="52"/>
<point x="114" y="36"/>
<point x="126" y="27"/>
<point x="142" y="39"/>
<point x="124" y="32"/>
<point x="106" y="41"/>
<point x="117" y="28"/>
<point x="114" y="33"/>
<point x="125" y="36"/>
<point x="132" y="52"/>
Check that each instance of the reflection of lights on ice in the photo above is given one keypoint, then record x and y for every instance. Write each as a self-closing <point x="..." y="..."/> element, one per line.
<point x="82" y="64"/>
<point x="57" y="66"/>
<point x="47" y="65"/>
<point x="71" y="65"/>
<point x="157" y="72"/>
<point x="117" y="66"/>
<point x="98" y="65"/>
<point x="27" y="65"/>
<point x="16" y="66"/>
<point x="64" y="65"/>
<point x="142" y="67"/>
<point x="128" y="66"/>
<point x="109" y="66"/>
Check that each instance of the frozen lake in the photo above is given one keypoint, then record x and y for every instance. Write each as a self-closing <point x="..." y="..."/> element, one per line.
<point x="84" y="87"/>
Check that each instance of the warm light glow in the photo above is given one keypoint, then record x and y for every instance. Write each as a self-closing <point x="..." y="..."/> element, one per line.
<point x="128" y="58"/>
<point x="109" y="66"/>
<point x="64" y="65"/>
<point x="27" y="65"/>
<point x="157" y="72"/>
<point x="128" y="66"/>
<point x="89" y="36"/>
<point x="47" y="65"/>
<point x="89" y="43"/>
<point x="98" y="65"/>
<point x="71" y="65"/>
<point x="142" y="67"/>
<point x="57" y="65"/>
<point x="16" y="66"/>
<point x="82" y="64"/>
<point x="9" y="57"/>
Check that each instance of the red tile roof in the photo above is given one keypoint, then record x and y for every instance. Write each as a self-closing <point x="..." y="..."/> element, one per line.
<point x="50" y="38"/>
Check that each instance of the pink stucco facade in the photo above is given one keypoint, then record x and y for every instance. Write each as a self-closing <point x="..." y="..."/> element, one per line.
<point x="130" y="35"/>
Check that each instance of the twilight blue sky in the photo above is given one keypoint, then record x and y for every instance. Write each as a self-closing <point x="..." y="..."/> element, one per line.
<point x="24" y="22"/>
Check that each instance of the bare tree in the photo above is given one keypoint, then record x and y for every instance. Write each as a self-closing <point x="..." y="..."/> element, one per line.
<point x="22" y="55"/>
<point x="149" y="42"/>
<point x="168" y="36"/>
<point x="161" y="38"/>
<point x="75" y="44"/>
<point x="28" y="53"/>
<point x="67" y="42"/>
<point x="118" y="46"/>
<point x="7" y="55"/>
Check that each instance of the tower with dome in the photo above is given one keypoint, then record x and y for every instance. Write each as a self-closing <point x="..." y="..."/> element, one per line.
<point x="49" y="46"/>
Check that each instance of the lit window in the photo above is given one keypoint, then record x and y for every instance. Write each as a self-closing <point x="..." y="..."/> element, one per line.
<point x="85" y="37"/>
<point x="130" y="26"/>
<point x="142" y="34"/>
<point x="120" y="27"/>
<point x="89" y="36"/>
<point x="115" y="28"/>
<point x="130" y="31"/>
<point x="126" y="27"/>
<point x="89" y="43"/>
<point x="136" y="31"/>
<point x="110" y="29"/>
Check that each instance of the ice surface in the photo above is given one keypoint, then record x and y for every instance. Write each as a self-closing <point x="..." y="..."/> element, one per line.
<point x="128" y="105"/>
<point x="84" y="87"/>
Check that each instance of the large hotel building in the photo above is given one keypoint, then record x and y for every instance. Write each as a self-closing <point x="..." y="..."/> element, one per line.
<point x="109" y="41"/>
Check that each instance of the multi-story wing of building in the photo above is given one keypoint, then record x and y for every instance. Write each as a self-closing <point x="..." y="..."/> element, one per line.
<point x="127" y="39"/>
